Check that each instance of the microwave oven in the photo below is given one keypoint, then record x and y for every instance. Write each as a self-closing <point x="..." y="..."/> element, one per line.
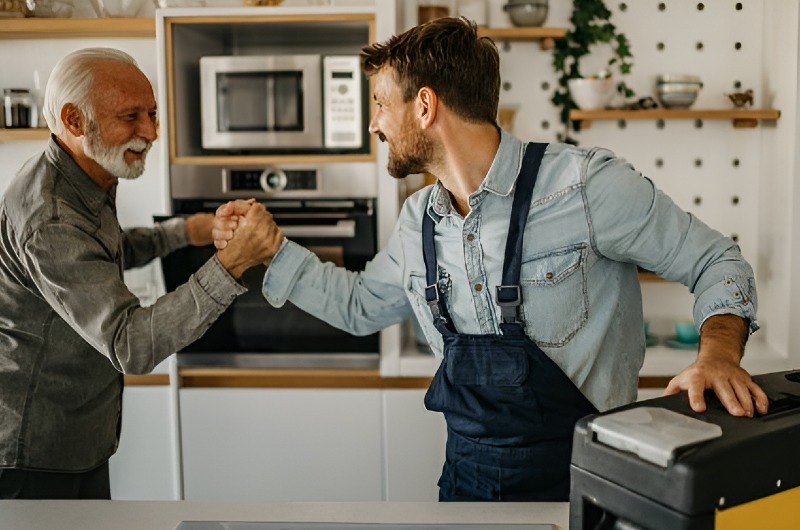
<point x="282" y="102"/>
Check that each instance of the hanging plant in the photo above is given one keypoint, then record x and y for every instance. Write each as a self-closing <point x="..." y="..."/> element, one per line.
<point x="591" y="25"/>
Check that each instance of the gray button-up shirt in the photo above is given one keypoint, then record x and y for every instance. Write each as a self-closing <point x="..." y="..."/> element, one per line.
<point x="69" y="327"/>
<point x="592" y="220"/>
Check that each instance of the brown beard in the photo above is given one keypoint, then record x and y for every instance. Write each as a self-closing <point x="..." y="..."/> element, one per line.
<point x="411" y="153"/>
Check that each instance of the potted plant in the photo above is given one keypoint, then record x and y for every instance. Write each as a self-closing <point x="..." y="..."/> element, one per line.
<point x="591" y="25"/>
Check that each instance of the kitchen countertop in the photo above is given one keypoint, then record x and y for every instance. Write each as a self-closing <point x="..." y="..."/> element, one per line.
<point x="165" y="515"/>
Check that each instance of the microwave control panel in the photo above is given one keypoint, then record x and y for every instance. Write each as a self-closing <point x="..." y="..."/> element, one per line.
<point x="272" y="179"/>
<point x="342" y="100"/>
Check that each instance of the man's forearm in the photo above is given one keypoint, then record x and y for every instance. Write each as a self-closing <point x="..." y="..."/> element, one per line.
<point x="723" y="337"/>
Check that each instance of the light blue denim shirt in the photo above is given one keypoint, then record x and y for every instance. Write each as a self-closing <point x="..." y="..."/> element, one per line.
<point x="592" y="220"/>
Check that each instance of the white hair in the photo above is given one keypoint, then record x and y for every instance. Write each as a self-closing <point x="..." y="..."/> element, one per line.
<point x="71" y="82"/>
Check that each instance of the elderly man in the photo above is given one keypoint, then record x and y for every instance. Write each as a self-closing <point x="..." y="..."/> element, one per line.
<point x="69" y="327"/>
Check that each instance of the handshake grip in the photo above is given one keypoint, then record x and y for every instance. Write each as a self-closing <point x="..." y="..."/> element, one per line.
<point x="245" y="234"/>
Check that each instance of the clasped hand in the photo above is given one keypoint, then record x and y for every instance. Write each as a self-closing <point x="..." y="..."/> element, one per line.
<point x="245" y="234"/>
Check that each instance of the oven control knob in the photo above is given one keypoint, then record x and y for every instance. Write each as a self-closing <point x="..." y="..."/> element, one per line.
<point x="273" y="179"/>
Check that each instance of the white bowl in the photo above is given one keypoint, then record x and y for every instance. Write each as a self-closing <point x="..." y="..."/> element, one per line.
<point x="592" y="94"/>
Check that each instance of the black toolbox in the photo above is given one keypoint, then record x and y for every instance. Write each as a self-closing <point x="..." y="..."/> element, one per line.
<point x="657" y="465"/>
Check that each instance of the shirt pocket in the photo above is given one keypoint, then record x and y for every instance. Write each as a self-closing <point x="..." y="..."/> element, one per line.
<point x="416" y="294"/>
<point x="555" y="299"/>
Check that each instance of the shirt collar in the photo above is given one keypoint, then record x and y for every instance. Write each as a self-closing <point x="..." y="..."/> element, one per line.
<point x="87" y="190"/>
<point x="500" y="180"/>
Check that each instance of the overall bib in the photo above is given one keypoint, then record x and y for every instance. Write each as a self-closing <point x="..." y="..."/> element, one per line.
<point x="510" y="410"/>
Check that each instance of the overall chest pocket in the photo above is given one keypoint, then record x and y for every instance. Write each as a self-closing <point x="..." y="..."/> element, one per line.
<point x="555" y="299"/>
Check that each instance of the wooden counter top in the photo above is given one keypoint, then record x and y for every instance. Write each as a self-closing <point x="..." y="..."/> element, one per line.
<point x="251" y="378"/>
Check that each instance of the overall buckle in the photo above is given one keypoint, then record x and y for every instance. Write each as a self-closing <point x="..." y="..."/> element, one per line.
<point x="508" y="298"/>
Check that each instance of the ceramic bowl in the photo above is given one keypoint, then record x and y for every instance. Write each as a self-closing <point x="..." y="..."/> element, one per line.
<point x="530" y="13"/>
<point x="592" y="94"/>
<point x="677" y="91"/>
<point x="686" y="332"/>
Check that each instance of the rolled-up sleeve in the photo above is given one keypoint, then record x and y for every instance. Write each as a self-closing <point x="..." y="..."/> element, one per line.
<point x="632" y="221"/>
<point x="84" y="285"/>
<point x="357" y="302"/>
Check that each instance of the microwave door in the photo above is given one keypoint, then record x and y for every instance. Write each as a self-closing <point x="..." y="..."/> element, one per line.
<point x="261" y="103"/>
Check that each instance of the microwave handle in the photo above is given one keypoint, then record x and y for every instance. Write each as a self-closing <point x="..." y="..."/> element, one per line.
<point x="343" y="228"/>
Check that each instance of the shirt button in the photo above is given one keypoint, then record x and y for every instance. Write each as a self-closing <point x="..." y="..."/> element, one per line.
<point x="549" y="275"/>
<point x="478" y="287"/>
<point x="470" y="237"/>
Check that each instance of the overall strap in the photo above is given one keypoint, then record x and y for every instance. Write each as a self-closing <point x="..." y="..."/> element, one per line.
<point x="508" y="295"/>
<point x="438" y="310"/>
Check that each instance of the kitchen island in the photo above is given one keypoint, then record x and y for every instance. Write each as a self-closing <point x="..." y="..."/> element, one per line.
<point x="165" y="515"/>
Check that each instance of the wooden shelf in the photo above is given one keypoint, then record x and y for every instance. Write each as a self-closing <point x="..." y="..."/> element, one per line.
<point x="18" y="135"/>
<point x="71" y="28"/>
<point x="546" y="35"/>
<point x="742" y="118"/>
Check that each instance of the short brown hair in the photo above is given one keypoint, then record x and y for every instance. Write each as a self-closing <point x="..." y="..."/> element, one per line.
<point x="446" y="55"/>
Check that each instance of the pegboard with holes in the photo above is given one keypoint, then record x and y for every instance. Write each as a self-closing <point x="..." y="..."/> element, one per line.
<point x="737" y="180"/>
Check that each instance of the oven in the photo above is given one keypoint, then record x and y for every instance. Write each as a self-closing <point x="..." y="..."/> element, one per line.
<point x="331" y="211"/>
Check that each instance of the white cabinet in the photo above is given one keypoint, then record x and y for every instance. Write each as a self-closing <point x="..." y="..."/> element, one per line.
<point x="415" y="441"/>
<point x="253" y="444"/>
<point x="144" y="467"/>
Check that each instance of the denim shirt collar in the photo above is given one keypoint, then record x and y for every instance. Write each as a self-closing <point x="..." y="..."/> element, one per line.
<point x="500" y="180"/>
<point x="86" y="190"/>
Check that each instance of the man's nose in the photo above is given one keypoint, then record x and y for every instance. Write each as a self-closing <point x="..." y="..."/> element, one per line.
<point x="373" y="129"/>
<point x="148" y="129"/>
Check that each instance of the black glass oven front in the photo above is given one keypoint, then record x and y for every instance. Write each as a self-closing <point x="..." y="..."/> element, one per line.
<point x="253" y="333"/>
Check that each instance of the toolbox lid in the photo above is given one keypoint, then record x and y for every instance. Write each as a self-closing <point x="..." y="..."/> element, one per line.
<point x="652" y="433"/>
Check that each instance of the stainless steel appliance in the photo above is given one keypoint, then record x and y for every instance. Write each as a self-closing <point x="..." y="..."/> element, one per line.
<point x="281" y="102"/>
<point x="329" y="209"/>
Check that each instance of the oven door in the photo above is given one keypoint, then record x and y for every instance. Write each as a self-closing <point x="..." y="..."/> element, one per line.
<point x="252" y="333"/>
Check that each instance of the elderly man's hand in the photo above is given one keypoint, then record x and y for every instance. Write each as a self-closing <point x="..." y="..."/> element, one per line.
<point x="255" y="240"/>
<point x="227" y="220"/>
<point x="198" y="229"/>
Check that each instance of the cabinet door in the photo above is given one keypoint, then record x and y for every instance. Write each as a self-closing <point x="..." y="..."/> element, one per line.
<point x="415" y="440"/>
<point x="281" y="444"/>
<point x="144" y="467"/>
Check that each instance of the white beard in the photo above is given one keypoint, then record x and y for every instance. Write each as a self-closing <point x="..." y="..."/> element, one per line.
<point x="112" y="158"/>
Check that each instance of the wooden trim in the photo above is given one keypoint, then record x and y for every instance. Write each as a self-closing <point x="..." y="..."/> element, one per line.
<point x="73" y="28"/>
<point x="522" y="33"/>
<point x="274" y="18"/>
<point x="147" y="380"/>
<point x="244" y="378"/>
<point x="740" y="117"/>
<point x="647" y="276"/>
<point x="269" y="159"/>
<point x="19" y="135"/>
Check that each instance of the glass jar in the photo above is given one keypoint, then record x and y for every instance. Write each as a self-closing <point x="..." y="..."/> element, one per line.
<point x="19" y="109"/>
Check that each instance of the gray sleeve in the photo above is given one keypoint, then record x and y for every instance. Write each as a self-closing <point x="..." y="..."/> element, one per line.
<point x="141" y="245"/>
<point x="75" y="275"/>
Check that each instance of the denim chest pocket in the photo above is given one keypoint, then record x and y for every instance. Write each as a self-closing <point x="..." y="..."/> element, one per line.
<point x="555" y="299"/>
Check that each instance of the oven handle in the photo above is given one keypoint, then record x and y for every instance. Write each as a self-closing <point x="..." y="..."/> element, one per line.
<point x="343" y="228"/>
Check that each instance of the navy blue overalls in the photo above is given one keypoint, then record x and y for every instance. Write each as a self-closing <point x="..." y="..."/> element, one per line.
<point x="510" y="410"/>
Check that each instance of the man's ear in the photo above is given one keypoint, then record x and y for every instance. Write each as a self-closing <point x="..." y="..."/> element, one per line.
<point x="72" y="118"/>
<point x="428" y="104"/>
